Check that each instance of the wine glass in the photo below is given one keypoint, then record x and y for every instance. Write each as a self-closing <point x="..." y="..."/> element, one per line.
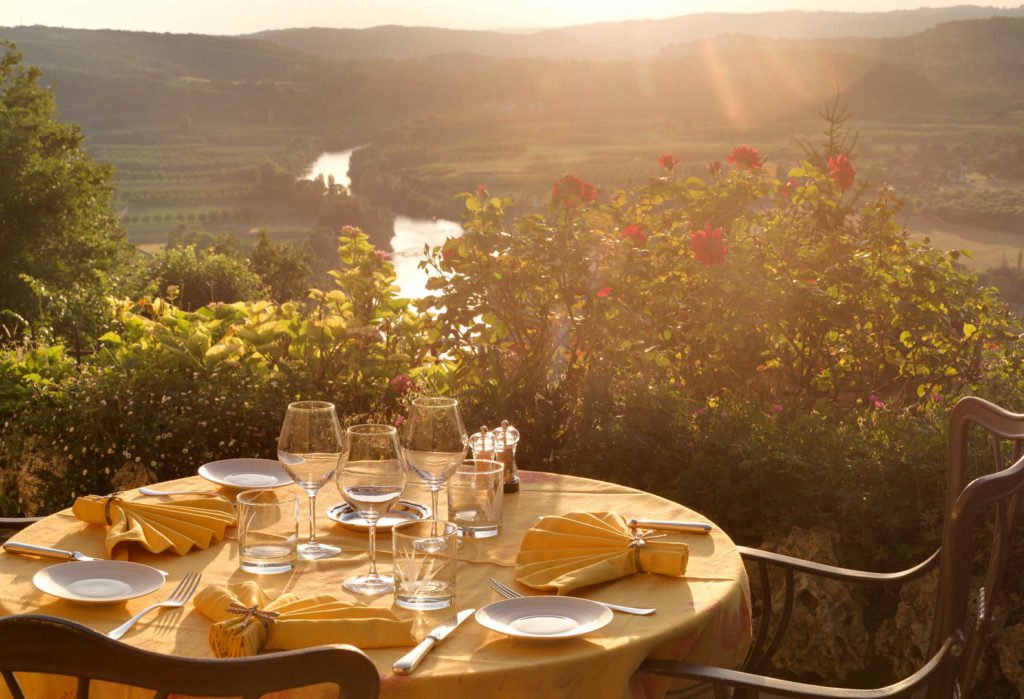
<point x="308" y="448"/>
<point x="434" y="441"/>
<point x="371" y="477"/>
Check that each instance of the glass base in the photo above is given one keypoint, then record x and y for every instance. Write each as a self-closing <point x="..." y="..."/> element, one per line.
<point x="420" y="603"/>
<point x="370" y="584"/>
<point x="477" y="532"/>
<point x="312" y="552"/>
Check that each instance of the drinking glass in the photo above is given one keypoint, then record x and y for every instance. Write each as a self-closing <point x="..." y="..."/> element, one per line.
<point x="371" y="477"/>
<point x="434" y="441"/>
<point x="308" y="449"/>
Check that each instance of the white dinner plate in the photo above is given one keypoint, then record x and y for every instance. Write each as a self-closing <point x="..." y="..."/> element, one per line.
<point x="401" y="511"/>
<point x="543" y="618"/>
<point x="98" y="582"/>
<point x="248" y="474"/>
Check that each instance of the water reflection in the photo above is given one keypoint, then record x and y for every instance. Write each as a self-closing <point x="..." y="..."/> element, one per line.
<point x="410" y="233"/>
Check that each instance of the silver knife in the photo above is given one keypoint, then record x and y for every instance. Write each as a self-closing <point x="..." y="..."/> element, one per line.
<point x="408" y="662"/>
<point x="668" y="526"/>
<point x="33" y="550"/>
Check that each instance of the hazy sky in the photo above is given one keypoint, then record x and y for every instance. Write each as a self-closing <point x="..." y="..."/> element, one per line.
<point x="243" y="16"/>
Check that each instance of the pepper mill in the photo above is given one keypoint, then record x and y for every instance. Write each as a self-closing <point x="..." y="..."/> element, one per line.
<point x="482" y="444"/>
<point x="506" y="438"/>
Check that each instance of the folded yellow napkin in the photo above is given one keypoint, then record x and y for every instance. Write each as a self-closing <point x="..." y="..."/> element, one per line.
<point x="586" y="548"/>
<point x="177" y="525"/>
<point x="246" y="621"/>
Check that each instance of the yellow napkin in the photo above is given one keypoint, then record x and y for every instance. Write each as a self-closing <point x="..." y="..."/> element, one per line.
<point x="302" y="622"/>
<point x="586" y="548"/>
<point x="178" y="525"/>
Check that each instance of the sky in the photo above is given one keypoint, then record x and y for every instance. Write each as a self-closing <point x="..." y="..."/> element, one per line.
<point x="245" y="16"/>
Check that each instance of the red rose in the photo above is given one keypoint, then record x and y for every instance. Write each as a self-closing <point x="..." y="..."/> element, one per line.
<point x="842" y="171"/>
<point x="668" y="161"/>
<point x="787" y="189"/>
<point x="745" y="155"/>
<point x="450" y="251"/>
<point x="571" y="191"/>
<point x="481" y="191"/>
<point x="636" y="233"/>
<point x="605" y="291"/>
<point x="403" y="383"/>
<point x="707" y="246"/>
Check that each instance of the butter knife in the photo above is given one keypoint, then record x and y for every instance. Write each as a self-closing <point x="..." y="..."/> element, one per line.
<point x="408" y="662"/>
<point x="669" y="526"/>
<point x="44" y="552"/>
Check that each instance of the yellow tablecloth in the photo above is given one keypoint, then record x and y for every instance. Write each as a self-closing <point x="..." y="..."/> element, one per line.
<point x="703" y="617"/>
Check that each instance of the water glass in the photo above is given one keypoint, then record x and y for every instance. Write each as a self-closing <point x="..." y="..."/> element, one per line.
<point x="268" y="531"/>
<point x="424" y="564"/>
<point x="475" y="493"/>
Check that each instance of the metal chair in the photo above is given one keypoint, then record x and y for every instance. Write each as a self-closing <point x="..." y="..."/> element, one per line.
<point x="9" y="525"/>
<point x="958" y="638"/>
<point x="42" y="644"/>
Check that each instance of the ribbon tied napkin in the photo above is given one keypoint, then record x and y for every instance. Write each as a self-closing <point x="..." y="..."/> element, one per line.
<point x="246" y="621"/>
<point x="586" y="548"/>
<point x="178" y="525"/>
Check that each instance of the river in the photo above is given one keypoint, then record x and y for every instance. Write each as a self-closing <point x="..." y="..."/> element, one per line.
<point x="410" y="233"/>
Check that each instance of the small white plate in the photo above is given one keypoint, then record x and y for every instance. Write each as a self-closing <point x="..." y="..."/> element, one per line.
<point x="248" y="474"/>
<point x="98" y="582"/>
<point x="543" y="618"/>
<point x="402" y="511"/>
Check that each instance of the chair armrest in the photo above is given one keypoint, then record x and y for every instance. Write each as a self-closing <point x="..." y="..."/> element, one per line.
<point x="834" y="572"/>
<point x="720" y="677"/>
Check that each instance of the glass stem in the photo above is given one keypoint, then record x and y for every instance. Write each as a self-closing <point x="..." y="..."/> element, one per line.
<point x="373" y="549"/>
<point x="434" y="490"/>
<point x="312" y="516"/>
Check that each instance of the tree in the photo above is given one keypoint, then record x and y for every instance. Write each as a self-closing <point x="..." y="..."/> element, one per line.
<point x="283" y="269"/>
<point x="60" y="238"/>
<point x="201" y="277"/>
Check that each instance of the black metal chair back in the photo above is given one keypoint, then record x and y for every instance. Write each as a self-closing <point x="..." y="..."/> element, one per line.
<point x="40" y="644"/>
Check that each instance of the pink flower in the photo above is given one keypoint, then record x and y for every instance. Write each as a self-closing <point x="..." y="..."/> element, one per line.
<point x="636" y="233"/>
<point x="937" y="397"/>
<point x="777" y="408"/>
<point x="403" y="383"/>
<point x="745" y="156"/>
<point x="605" y="291"/>
<point x="787" y="189"/>
<point x="668" y="161"/>
<point x="842" y="171"/>
<point x="876" y="400"/>
<point x="381" y="255"/>
<point x="708" y="247"/>
<point x="399" y="421"/>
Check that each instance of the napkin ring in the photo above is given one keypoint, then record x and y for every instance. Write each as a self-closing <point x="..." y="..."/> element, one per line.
<point x="639" y="540"/>
<point x="111" y="499"/>
<point x="266" y="618"/>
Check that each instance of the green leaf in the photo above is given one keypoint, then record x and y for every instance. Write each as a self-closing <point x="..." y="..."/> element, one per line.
<point x="969" y="330"/>
<point x="111" y="337"/>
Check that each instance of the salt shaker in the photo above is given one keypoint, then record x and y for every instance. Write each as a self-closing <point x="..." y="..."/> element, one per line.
<point x="506" y="438"/>
<point x="482" y="444"/>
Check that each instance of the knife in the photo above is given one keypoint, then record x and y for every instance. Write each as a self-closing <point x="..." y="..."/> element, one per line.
<point x="408" y="662"/>
<point x="33" y="550"/>
<point x="667" y="526"/>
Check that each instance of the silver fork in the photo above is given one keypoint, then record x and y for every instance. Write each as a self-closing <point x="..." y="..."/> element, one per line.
<point x="512" y="594"/>
<point x="178" y="598"/>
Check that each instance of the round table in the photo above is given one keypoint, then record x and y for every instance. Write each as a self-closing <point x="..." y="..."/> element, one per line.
<point x="702" y="617"/>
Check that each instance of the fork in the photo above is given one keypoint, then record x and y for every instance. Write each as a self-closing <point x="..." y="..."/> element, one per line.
<point x="512" y="594"/>
<point x="178" y="598"/>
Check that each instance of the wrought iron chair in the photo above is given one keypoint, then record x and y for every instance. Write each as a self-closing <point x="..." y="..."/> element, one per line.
<point x="958" y="637"/>
<point x="42" y="644"/>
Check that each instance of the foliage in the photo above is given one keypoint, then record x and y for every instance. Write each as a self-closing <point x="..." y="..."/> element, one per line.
<point x="61" y="242"/>
<point x="171" y="389"/>
<point x="193" y="278"/>
<point x="284" y="269"/>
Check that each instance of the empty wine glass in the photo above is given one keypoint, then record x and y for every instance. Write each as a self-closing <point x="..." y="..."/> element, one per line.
<point x="308" y="448"/>
<point x="371" y="476"/>
<point x="434" y="441"/>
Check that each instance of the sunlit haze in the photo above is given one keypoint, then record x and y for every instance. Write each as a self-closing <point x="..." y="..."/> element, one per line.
<point x="243" y="16"/>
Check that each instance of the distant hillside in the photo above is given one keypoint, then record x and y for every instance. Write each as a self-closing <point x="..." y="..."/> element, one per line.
<point x="618" y="40"/>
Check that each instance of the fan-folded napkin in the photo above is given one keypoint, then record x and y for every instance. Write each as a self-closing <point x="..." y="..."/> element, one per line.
<point x="178" y="525"/>
<point x="586" y="548"/>
<point x="246" y="621"/>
